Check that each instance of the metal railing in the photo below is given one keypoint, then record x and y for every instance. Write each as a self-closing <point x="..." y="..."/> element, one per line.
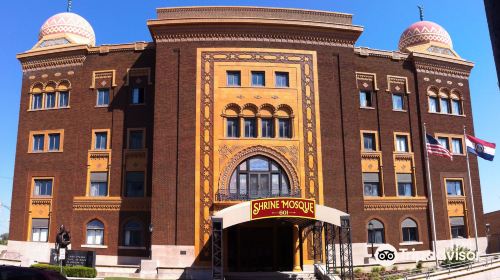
<point x="226" y="195"/>
<point x="429" y="272"/>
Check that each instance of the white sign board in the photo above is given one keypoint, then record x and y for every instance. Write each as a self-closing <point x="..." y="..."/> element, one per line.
<point x="62" y="254"/>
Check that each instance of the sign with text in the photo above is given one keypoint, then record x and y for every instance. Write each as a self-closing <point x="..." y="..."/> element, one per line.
<point x="74" y="258"/>
<point x="282" y="207"/>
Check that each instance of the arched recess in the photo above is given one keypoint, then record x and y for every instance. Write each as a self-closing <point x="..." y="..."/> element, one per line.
<point x="432" y="91"/>
<point x="50" y="86"/>
<point x="266" y="110"/>
<point x="444" y="92"/>
<point x="284" y="110"/>
<point x="232" y="110"/>
<point x="36" y="88"/>
<point x="288" y="168"/>
<point x="63" y="85"/>
<point x="250" y="110"/>
<point x="456" y="94"/>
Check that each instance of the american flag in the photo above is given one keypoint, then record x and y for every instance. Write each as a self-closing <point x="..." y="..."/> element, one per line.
<point x="435" y="148"/>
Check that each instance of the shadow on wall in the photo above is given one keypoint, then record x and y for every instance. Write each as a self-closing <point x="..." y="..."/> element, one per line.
<point x="493" y="244"/>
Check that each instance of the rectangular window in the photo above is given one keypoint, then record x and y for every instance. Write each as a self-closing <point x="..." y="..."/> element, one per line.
<point x="444" y="141"/>
<point x="50" y="100"/>
<point x="285" y="129"/>
<point x="402" y="143"/>
<point x="457" y="146"/>
<point x="457" y="108"/>
<point x="36" y="101"/>
<point x="258" y="78"/>
<point x="103" y="97"/>
<point x="136" y="139"/>
<point x="376" y="236"/>
<point x="234" y="78"/>
<point x="410" y="234"/>
<point x="101" y="141"/>
<point x="454" y="187"/>
<point x="137" y="96"/>
<point x="38" y="142"/>
<point x="433" y="104"/>
<point x="63" y="99"/>
<point x="39" y="230"/>
<point x="457" y="225"/>
<point x="95" y="236"/>
<point x="232" y="127"/>
<point x="267" y="128"/>
<point x="369" y="142"/>
<point x="405" y="187"/>
<point x="282" y="79"/>
<point x="371" y="184"/>
<point x="135" y="184"/>
<point x="397" y="102"/>
<point x="365" y="99"/>
<point x="54" y="141"/>
<point x="445" y="106"/>
<point x="43" y="187"/>
<point x="250" y="127"/>
<point x="98" y="184"/>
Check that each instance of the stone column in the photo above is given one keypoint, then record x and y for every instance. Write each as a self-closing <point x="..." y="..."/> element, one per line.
<point x="296" y="249"/>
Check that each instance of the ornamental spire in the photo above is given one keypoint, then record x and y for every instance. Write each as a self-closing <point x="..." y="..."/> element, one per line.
<point x="421" y="11"/>
<point x="68" y="9"/>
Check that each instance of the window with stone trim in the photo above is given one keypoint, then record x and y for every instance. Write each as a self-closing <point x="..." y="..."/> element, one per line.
<point x="376" y="232"/>
<point x="409" y="230"/>
<point x="39" y="229"/>
<point x="95" y="233"/>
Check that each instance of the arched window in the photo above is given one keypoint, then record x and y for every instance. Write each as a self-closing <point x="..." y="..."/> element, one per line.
<point x="410" y="230"/>
<point x="376" y="232"/>
<point x="95" y="233"/>
<point x="132" y="234"/>
<point x="258" y="177"/>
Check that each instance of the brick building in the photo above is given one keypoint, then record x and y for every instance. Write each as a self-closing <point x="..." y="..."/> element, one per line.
<point x="492" y="220"/>
<point x="135" y="147"/>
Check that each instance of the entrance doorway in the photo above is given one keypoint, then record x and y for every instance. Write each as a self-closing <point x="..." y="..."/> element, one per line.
<point x="265" y="245"/>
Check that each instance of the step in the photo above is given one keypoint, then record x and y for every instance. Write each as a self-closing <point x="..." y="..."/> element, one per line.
<point x="269" y="275"/>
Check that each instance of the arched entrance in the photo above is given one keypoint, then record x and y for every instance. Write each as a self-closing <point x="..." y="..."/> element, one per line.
<point x="330" y="225"/>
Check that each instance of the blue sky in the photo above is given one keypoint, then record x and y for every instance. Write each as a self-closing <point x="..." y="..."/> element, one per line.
<point x="116" y="21"/>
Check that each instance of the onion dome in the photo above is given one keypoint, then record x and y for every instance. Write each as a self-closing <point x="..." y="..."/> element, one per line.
<point x="65" y="28"/>
<point x="426" y="36"/>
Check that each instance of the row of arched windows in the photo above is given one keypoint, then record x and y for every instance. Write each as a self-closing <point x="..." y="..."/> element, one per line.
<point x="408" y="229"/>
<point x="50" y="95"/>
<point x="445" y="101"/>
<point x="132" y="232"/>
<point x="251" y="121"/>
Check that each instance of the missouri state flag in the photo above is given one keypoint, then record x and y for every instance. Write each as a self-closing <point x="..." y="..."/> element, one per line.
<point x="480" y="147"/>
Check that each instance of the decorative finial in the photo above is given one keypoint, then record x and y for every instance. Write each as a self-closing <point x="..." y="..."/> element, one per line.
<point x="69" y="6"/>
<point x="421" y="10"/>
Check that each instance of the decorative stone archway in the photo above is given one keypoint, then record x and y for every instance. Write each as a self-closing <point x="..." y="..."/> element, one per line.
<point x="259" y="150"/>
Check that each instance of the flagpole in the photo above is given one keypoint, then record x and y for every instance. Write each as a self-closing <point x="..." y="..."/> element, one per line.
<point x="471" y="195"/>
<point x="431" y="201"/>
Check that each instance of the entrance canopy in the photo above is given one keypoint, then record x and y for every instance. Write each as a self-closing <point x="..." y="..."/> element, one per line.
<point x="287" y="208"/>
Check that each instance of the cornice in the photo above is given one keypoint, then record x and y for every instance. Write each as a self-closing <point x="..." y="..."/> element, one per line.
<point x="298" y="39"/>
<point x="253" y="12"/>
<point x="395" y="204"/>
<point x="111" y="204"/>
<point x="51" y="63"/>
<point x="395" y="55"/>
<point x="456" y="61"/>
<point x="441" y="70"/>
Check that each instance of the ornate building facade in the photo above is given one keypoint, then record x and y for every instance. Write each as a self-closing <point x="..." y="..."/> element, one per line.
<point x="135" y="147"/>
